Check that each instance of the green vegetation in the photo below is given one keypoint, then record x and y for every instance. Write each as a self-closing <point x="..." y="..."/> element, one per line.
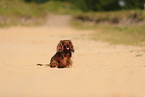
<point x="114" y="17"/>
<point x="99" y="5"/>
<point x="116" y="34"/>
<point x="120" y="27"/>
<point x="21" y="8"/>
<point x="58" y="7"/>
<point x="29" y="12"/>
<point x="18" y="12"/>
<point x="106" y="17"/>
<point x="14" y="12"/>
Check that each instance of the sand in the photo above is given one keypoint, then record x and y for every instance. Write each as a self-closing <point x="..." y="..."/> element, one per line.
<point x="99" y="69"/>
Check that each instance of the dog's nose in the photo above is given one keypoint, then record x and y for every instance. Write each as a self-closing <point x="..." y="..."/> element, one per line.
<point x="67" y="45"/>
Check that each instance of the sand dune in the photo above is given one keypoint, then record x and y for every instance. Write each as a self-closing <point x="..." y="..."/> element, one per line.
<point x="99" y="69"/>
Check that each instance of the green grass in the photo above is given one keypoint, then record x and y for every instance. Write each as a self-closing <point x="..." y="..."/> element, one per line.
<point x="14" y="8"/>
<point x="114" y="17"/>
<point x="128" y="30"/>
<point x="20" y="8"/>
<point x="57" y="7"/>
<point x="18" y="12"/>
<point x="115" y="34"/>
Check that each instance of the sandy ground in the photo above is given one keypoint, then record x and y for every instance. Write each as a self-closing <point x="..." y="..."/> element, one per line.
<point x="99" y="69"/>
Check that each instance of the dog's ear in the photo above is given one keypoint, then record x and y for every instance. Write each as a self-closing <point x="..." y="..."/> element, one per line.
<point x="71" y="46"/>
<point x="60" y="46"/>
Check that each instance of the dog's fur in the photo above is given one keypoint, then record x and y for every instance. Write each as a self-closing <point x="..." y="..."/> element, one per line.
<point x="62" y="58"/>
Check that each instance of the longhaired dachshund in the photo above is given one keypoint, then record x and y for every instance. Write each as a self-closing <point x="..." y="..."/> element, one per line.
<point x="62" y="58"/>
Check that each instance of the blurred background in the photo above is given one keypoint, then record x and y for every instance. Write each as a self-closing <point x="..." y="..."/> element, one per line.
<point x="124" y="17"/>
<point x="108" y="37"/>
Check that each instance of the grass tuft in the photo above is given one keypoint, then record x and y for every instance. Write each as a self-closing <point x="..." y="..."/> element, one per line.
<point x="139" y="55"/>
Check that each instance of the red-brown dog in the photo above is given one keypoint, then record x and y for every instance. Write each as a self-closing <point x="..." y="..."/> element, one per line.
<point x="62" y="58"/>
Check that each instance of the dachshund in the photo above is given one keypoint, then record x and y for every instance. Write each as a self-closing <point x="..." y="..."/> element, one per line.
<point x="62" y="58"/>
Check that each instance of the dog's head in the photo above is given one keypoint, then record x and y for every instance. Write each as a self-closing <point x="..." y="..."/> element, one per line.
<point x="65" y="45"/>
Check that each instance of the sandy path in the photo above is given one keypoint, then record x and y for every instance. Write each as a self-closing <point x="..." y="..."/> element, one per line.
<point x="99" y="69"/>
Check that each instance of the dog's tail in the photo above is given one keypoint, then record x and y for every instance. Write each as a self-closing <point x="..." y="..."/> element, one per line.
<point x="43" y="64"/>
